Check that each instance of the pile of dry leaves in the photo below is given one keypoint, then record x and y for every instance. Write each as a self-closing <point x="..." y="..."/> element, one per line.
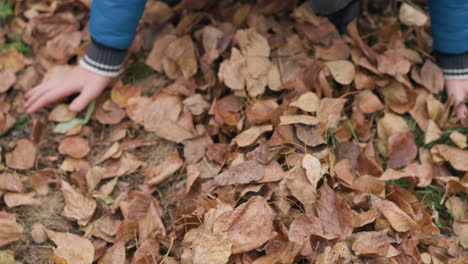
<point x="291" y="143"/>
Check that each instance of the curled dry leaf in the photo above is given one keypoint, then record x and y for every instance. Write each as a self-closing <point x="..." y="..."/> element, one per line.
<point x="195" y="148"/>
<point x="343" y="71"/>
<point x="249" y="136"/>
<point x="161" y="172"/>
<point x="17" y="199"/>
<point x="71" y="249"/>
<point x="298" y="119"/>
<point x="61" y="113"/>
<point x="243" y="173"/>
<point x="74" y="146"/>
<point x="300" y="187"/>
<point x="458" y="158"/>
<point x="250" y="225"/>
<point x="23" y="156"/>
<point x="398" y="219"/>
<point x="371" y="244"/>
<point x="180" y="54"/>
<point x="10" y="230"/>
<point x="77" y="206"/>
<point x="308" y="102"/>
<point x="412" y="16"/>
<point x="10" y="182"/>
<point x="7" y="79"/>
<point x="313" y="169"/>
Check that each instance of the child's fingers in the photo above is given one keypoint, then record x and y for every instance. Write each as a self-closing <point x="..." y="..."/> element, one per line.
<point x="46" y="97"/>
<point x="82" y="101"/>
<point x="462" y="111"/>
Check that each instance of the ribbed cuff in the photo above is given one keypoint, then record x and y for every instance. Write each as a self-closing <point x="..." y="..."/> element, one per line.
<point x="454" y="66"/>
<point x="103" y="60"/>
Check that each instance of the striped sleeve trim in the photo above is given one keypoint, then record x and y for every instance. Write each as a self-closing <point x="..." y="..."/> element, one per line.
<point x="454" y="66"/>
<point x="103" y="60"/>
<point x="106" y="73"/>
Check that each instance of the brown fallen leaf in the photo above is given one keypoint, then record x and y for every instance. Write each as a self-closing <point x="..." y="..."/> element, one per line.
<point x="61" y="113"/>
<point x="12" y="60"/>
<point x="161" y="172"/>
<point x="460" y="228"/>
<point x="38" y="233"/>
<point x="40" y="184"/>
<point x="303" y="226"/>
<point x="371" y="244"/>
<point x="308" y="102"/>
<point x="261" y="111"/>
<point x="217" y="152"/>
<point x="298" y="119"/>
<point x="335" y="215"/>
<point x="23" y="156"/>
<point x="195" y="148"/>
<point x="77" y="206"/>
<point x="432" y="132"/>
<point x="458" y="158"/>
<point x="313" y="169"/>
<point x="329" y="112"/>
<point x="114" y="254"/>
<point x="17" y="199"/>
<point x="250" y="225"/>
<point x="180" y="58"/>
<point x="151" y="226"/>
<point x="109" y="113"/>
<point x="10" y="230"/>
<point x="208" y="243"/>
<point x="10" y="182"/>
<point x="368" y="102"/>
<point x="243" y="173"/>
<point x="74" y="146"/>
<point x="93" y="177"/>
<point x="196" y="104"/>
<point x="121" y="94"/>
<point x="402" y="150"/>
<point x="249" y="136"/>
<point x="412" y="16"/>
<point x="147" y="252"/>
<point x="137" y="107"/>
<point x="393" y="63"/>
<point x="398" y="219"/>
<point x="7" y="79"/>
<point x="459" y="139"/>
<point x="343" y="71"/>
<point x="432" y="77"/>
<point x="71" y="249"/>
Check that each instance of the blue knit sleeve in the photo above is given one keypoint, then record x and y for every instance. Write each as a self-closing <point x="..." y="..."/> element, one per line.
<point x="113" y="23"/>
<point x="449" y="25"/>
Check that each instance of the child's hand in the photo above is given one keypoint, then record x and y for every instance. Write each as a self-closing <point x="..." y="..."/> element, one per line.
<point x="78" y="80"/>
<point x="458" y="90"/>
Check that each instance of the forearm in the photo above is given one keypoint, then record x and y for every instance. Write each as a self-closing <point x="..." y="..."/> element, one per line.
<point x="112" y="26"/>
